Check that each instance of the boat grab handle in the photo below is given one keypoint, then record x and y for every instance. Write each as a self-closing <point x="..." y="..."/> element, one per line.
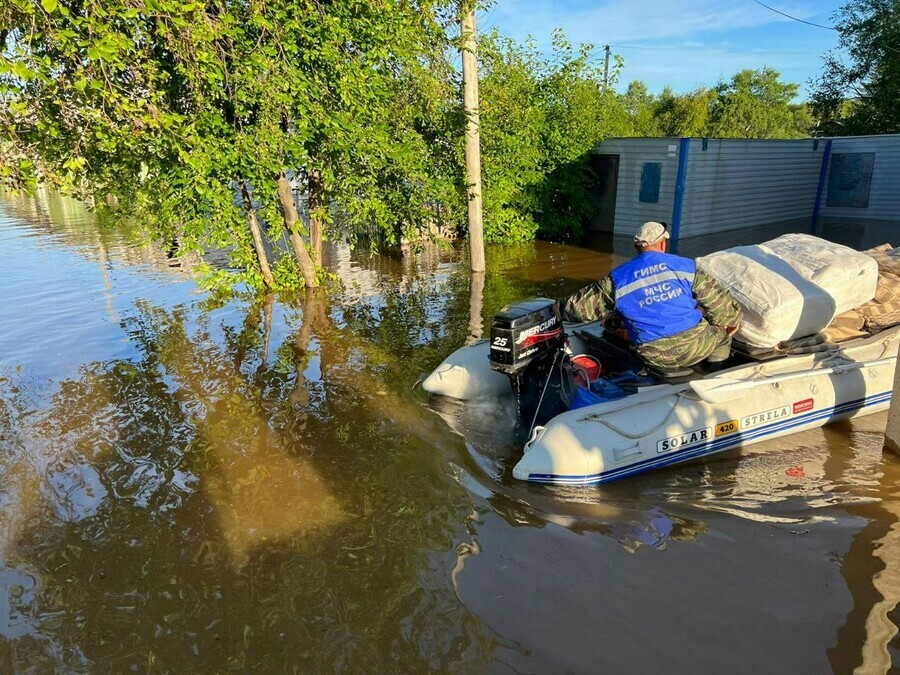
<point x="535" y="434"/>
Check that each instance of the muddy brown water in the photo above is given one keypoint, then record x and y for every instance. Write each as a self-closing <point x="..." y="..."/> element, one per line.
<point x="187" y="485"/>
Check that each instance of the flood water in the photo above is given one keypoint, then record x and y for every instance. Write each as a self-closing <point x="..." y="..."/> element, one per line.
<point x="259" y="485"/>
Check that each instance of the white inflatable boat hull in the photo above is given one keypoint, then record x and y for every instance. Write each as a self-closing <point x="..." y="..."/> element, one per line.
<point x="667" y="424"/>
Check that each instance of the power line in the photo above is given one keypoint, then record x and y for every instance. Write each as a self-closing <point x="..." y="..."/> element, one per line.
<point x="817" y="25"/>
<point x="484" y="20"/>
<point x="808" y="23"/>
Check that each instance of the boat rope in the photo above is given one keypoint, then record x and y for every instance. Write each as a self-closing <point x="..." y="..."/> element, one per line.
<point x="886" y="345"/>
<point x="830" y="359"/>
<point x="544" y="391"/>
<point x="598" y="417"/>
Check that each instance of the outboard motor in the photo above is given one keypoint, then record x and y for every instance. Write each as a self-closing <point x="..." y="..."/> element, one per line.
<point x="527" y="344"/>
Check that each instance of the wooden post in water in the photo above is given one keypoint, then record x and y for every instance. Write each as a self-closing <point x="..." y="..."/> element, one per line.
<point x="892" y="432"/>
<point x="476" y="304"/>
<point x="473" y="139"/>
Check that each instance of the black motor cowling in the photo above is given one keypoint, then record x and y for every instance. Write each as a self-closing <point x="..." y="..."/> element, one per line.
<point x="527" y="343"/>
<point x="524" y="332"/>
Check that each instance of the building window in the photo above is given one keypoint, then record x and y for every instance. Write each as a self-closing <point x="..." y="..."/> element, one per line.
<point x="650" y="175"/>
<point x="849" y="179"/>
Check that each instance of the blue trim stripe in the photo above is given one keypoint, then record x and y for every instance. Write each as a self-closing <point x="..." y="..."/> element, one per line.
<point x="692" y="452"/>
<point x="826" y="156"/>
<point x="678" y="203"/>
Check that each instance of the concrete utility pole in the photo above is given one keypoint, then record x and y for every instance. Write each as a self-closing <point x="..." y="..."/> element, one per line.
<point x="473" y="140"/>
<point x="606" y="68"/>
<point x="892" y="433"/>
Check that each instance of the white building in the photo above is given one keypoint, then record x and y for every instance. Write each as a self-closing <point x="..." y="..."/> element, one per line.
<point x="704" y="186"/>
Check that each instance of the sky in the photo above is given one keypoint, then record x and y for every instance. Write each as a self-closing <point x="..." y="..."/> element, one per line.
<point x="681" y="43"/>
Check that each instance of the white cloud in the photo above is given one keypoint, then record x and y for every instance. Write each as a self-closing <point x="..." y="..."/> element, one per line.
<point x="628" y="20"/>
<point x="688" y="42"/>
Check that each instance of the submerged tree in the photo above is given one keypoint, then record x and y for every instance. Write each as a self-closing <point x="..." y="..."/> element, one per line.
<point x="541" y="117"/>
<point x="859" y="94"/>
<point x="200" y="116"/>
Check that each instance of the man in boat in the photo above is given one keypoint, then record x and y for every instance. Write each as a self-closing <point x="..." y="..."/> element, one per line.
<point x="673" y="314"/>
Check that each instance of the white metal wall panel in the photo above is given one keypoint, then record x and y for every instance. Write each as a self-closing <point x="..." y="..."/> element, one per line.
<point x="631" y="213"/>
<point x="738" y="183"/>
<point x="884" y="191"/>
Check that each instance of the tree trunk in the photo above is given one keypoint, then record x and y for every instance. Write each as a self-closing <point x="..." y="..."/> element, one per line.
<point x="291" y="218"/>
<point x="256" y="231"/>
<point x="267" y="330"/>
<point x="316" y="203"/>
<point x="315" y="322"/>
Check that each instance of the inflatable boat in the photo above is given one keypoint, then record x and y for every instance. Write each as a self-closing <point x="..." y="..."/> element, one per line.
<point x="594" y="413"/>
<point x="619" y="419"/>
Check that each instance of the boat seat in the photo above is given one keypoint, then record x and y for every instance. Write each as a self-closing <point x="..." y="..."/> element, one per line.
<point x="614" y="352"/>
<point x="611" y="350"/>
<point x="677" y="376"/>
<point x="754" y="353"/>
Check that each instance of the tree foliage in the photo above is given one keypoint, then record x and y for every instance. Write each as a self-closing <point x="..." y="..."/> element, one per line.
<point x="858" y="94"/>
<point x="638" y="104"/>
<point x="203" y="118"/>
<point x="685" y="114"/>
<point x="753" y="104"/>
<point x="540" y="117"/>
<point x="175" y="107"/>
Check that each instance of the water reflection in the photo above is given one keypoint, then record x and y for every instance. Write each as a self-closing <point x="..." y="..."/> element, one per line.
<point x="867" y="642"/>
<point x="259" y="485"/>
<point x="476" y="308"/>
<point x="630" y="526"/>
<point x="235" y="510"/>
<point x="66" y="222"/>
<point x="880" y="629"/>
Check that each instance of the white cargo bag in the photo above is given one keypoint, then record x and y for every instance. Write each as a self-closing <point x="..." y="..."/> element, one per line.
<point x="792" y="286"/>
<point x="778" y="303"/>
<point x="848" y="276"/>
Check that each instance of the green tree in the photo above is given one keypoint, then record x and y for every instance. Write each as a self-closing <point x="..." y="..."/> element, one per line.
<point x="754" y="104"/>
<point x="540" y="118"/>
<point x="683" y="114"/>
<point x="580" y="113"/>
<point x="859" y="94"/>
<point x="512" y="120"/>
<point x="804" y="120"/>
<point x="639" y="105"/>
<point x="196" y="115"/>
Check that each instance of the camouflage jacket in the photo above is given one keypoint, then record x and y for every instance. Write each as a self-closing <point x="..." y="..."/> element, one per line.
<point x="720" y="311"/>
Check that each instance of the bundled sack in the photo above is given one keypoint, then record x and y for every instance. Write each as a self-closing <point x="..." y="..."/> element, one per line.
<point x="883" y="311"/>
<point x="848" y="276"/>
<point x="778" y="304"/>
<point x="792" y="286"/>
<point x="887" y="257"/>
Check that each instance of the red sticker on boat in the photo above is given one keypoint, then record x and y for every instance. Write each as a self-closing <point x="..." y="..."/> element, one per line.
<point x="803" y="406"/>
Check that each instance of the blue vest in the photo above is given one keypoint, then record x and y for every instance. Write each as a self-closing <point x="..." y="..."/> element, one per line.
<point x="654" y="296"/>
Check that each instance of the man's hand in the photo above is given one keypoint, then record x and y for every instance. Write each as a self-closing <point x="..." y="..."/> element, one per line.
<point x="731" y="330"/>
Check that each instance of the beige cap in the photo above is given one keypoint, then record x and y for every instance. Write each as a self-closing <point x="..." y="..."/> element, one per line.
<point x="649" y="233"/>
